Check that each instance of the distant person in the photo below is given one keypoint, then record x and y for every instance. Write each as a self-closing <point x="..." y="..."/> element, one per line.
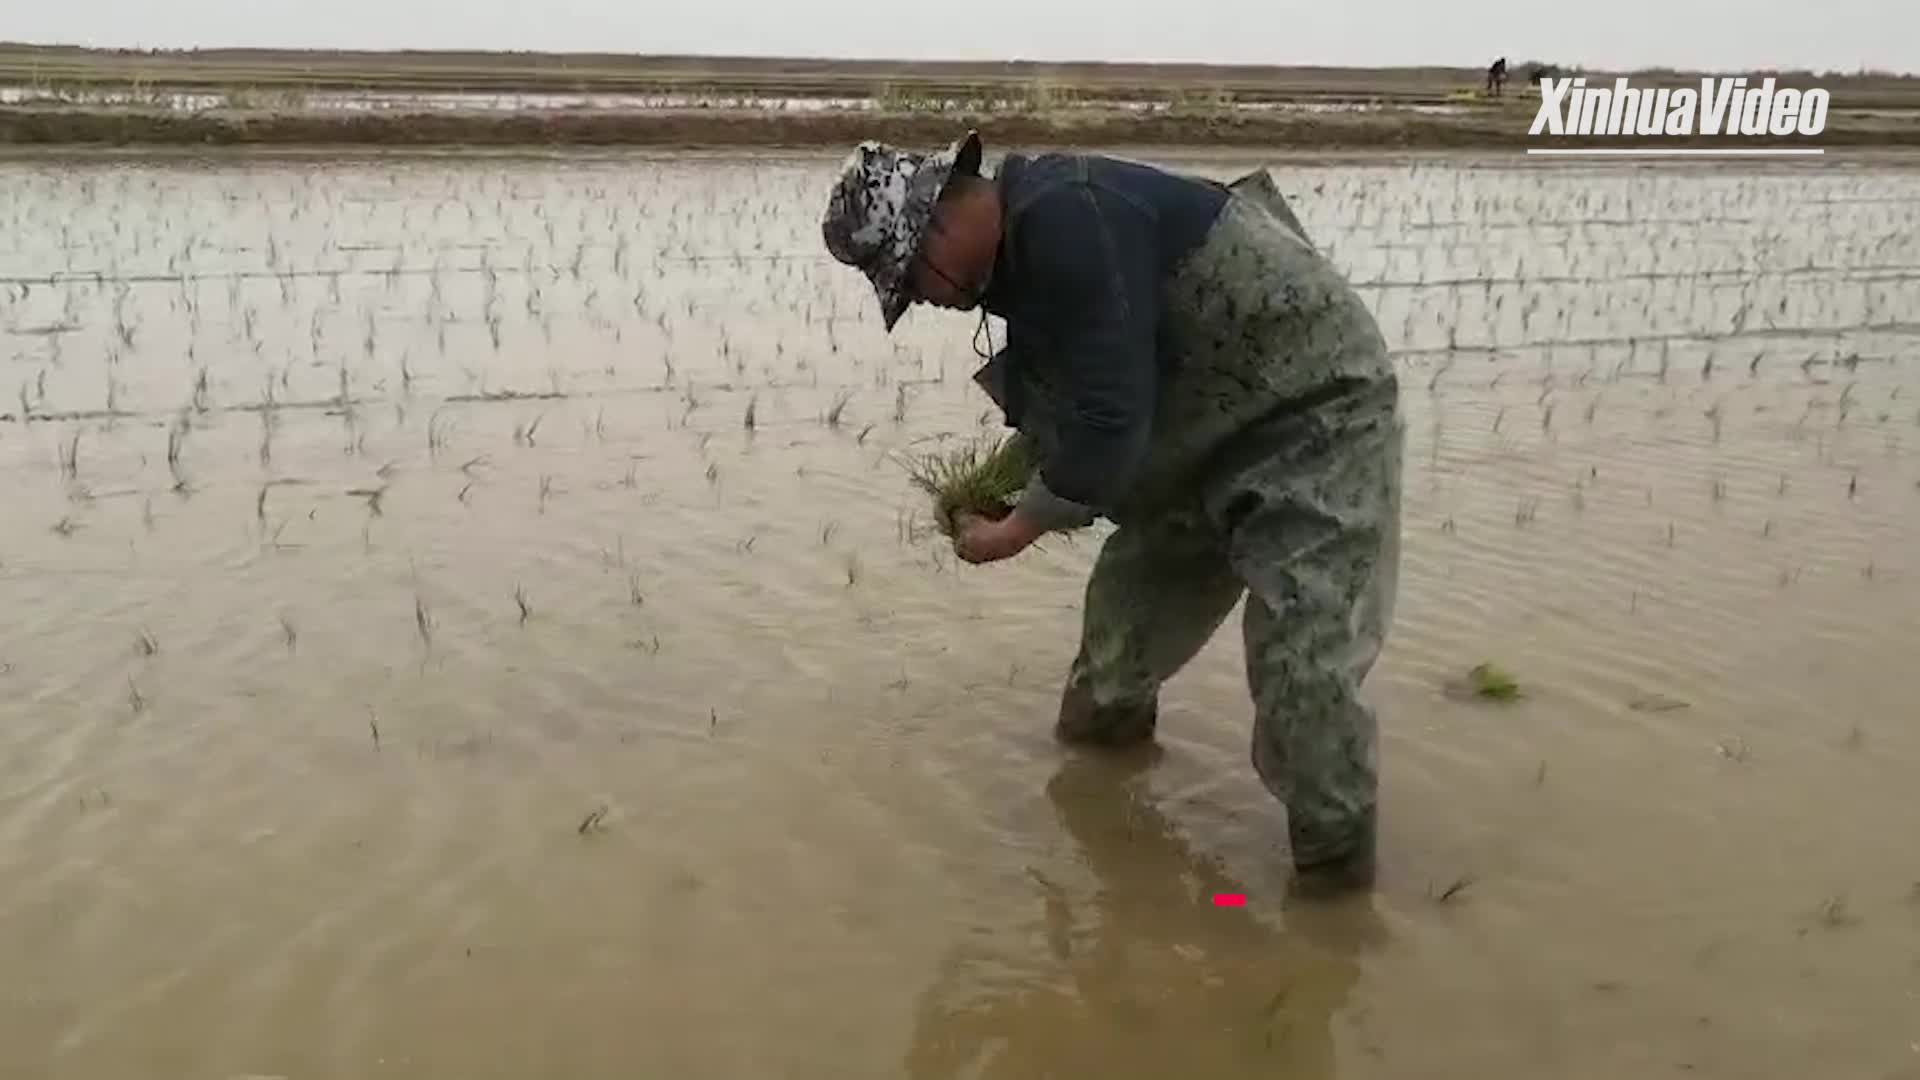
<point x="1497" y="76"/>
<point x="1188" y="366"/>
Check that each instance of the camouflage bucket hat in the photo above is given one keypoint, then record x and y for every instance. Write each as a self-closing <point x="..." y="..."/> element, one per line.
<point x="879" y="211"/>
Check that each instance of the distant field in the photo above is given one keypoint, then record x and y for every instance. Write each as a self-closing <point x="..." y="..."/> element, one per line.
<point x="456" y="71"/>
<point x="69" y="95"/>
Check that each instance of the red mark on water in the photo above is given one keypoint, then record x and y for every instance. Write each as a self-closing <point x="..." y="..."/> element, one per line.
<point x="1229" y="899"/>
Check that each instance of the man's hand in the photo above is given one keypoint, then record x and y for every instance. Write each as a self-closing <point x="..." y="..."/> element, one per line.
<point x="981" y="540"/>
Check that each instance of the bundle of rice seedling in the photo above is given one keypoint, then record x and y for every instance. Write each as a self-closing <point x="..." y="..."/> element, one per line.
<point x="1490" y="681"/>
<point x="1486" y="682"/>
<point x="984" y="476"/>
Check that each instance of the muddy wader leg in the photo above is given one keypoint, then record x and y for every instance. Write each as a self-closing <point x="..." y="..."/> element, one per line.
<point x="1158" y="592"/>
<point x="1314" y="530"/>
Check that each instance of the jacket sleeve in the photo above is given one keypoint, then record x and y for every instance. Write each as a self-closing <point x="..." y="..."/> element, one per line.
<point x="1093" y="267"/>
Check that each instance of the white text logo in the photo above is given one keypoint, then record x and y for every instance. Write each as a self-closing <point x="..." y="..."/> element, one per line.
<point x="1721" y="106"/>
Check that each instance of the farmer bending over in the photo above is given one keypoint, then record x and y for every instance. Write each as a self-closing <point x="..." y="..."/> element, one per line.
<point x="1189" y="367"/>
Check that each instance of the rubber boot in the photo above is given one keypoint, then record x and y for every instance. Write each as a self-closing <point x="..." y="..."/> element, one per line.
<point x="1346" y="872"/>
<point x="1083" y="722"/>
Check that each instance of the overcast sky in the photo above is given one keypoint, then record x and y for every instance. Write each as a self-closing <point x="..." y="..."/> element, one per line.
<point x="1714" y="34"/>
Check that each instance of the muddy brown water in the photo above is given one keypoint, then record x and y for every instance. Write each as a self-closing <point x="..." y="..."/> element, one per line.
<point x="759" y="781"/>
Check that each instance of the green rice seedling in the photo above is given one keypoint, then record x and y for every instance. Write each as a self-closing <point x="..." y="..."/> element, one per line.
<point x="1835" y="913"/>
<point x="838" y="409"/>
<point x="520" y="601"/>
<point x="436" y="433"/>
<point x="70" y="457"/>
<point x="523" y="435"/>
<point x="146" y="644"/>
<point x="1488" y="682"/>
<point x="595" y="820"/>
<point x="1451" y="892"/>
<point x="287" y="631"/>
<point x="1657" y="703"/>
<point x="372" y="495"/>
<point x="983" y="476"/>
<point x="617" y="557"/>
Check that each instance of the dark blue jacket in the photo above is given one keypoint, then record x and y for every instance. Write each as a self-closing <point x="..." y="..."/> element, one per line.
<point x="1085" y="243"/>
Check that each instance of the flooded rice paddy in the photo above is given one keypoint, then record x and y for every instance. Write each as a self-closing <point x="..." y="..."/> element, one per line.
<point x="463" y="620"/>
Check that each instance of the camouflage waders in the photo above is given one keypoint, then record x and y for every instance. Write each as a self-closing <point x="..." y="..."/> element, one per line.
<point x="1274" y="473"/>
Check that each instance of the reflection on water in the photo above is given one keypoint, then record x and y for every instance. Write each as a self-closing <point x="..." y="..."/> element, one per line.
<point x="1144" y="976"/>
